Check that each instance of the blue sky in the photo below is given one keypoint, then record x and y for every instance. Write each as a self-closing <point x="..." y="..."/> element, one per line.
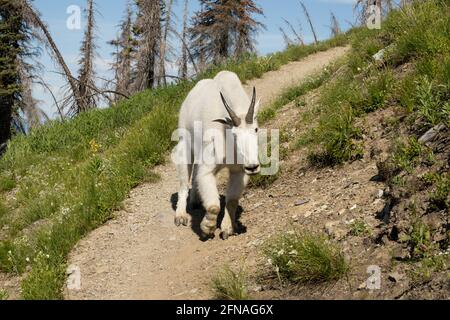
<point x="110" y="12"/>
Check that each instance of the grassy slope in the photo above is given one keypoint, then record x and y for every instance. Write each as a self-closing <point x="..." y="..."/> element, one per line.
<point x="65" y="179"/>
<point x="414" y="78"/>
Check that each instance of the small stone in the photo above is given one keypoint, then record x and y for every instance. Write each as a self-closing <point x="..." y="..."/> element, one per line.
<point x="341" y="212"/>
<point x="395" y="277"/>
<point x="256" y="288"/>
<point x="301" y="202"/>
<point x="307" y="214"/>
<point x="380" y="194"/>
<point x="362" y="286"/>
<point x="353" y="207"/>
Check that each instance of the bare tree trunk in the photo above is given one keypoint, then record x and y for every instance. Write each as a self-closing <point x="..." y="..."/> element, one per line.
<point x="335" y="28"/>
<point x="87" y="72"/>
<point x="288" y="41"/>
<point x="148" y="30"/>
<point x="296" y="34"/>
<point x="310" y="21"/>
<point x="163" y="46"/>
<point x="184" y="55"/>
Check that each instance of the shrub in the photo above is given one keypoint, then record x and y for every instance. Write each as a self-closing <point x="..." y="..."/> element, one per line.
<point x="306" y="258"/>
<point x="230" y="285"/>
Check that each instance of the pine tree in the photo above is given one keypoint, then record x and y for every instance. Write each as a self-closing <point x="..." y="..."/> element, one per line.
<point x="12" y="34"/>
<point x="246" y="26"/>
<point x="224" y="28"/>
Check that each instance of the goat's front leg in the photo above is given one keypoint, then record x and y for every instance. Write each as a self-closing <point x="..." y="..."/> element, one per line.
<point x="207" y="187"/>
<point x="236" y="186"/>
<point x="184" y="173"/>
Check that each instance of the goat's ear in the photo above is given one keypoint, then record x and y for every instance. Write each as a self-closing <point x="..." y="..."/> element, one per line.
<point x="227" y="122"/>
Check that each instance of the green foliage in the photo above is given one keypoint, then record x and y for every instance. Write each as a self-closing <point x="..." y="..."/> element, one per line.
<point x="440" y="197"/>
<point x="44" y="281"/>
<point x="230" y="285"/>
<point x="424" y="270"/>
<point x="306" y="258"/>
<point x="335" y="138"/>
<point x="7" y="183"/>
<point x="359" y="228"/>
<point x="432" y="106"/>
<point x="3" y="295"/>
<point x="406" y="155"/>
<point x="418" y="31"/>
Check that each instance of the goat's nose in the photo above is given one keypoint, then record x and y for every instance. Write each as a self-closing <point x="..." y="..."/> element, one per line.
<point x="252" y="167"/>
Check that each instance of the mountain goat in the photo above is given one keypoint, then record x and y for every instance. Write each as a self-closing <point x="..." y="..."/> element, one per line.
<point x="217" y="122"/>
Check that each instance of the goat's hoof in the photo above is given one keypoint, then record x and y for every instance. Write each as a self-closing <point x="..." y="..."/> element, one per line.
<point x="227" y="232"/>
<point x="225" y="235"/>
<point x="181" y="220"/>
<point x="209" y="222"/>
<point x="208" y="228"/>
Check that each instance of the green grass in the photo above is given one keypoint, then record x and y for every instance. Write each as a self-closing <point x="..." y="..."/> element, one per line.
<point x="306" y="258"/>
<point x="359" y="228"/>
<point x="230" y="285"/>
<point x="417" y="36"/>
<point x="423" y="271"/>
<point x="70" y="176"/>
<point x="439" y="197"/>
<point x="3" y="295"/>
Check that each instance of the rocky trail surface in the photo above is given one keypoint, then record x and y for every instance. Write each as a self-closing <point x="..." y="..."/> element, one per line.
<point x="142" y="255"/>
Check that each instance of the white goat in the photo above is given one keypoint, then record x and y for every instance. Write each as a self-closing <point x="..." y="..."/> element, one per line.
<point x="221" y="106"/>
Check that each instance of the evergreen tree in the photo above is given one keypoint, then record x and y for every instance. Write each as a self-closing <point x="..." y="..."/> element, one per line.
<point x="224" y="28"/>
<point x="14" y="34"/>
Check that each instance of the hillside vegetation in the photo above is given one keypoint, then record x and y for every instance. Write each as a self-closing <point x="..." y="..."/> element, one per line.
<point x="66" y="178"/>
<point x="399" y="77"/>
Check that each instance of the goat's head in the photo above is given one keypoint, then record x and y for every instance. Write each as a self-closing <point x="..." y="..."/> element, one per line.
<point x="245" y="131"/>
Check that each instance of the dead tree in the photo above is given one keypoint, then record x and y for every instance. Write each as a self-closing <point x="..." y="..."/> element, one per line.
<point x="43" y="33"/>
<point x="305" y="10"/>
<point x="86" y="73"/>
<point x="184" y="48"/>
<point x="334" y="26"/>
<point x="287" y="40"/>
<point x="147" y="30"/>
<point x="297" y="34"/>
<point x="164" y="44"/>
<point x="122" y="65"/>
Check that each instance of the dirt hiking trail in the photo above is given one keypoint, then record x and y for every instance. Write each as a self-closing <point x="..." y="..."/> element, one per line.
<point x="142" y="255"/>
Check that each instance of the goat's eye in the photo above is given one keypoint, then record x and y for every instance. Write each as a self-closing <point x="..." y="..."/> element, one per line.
<point x="256" y="130"/>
